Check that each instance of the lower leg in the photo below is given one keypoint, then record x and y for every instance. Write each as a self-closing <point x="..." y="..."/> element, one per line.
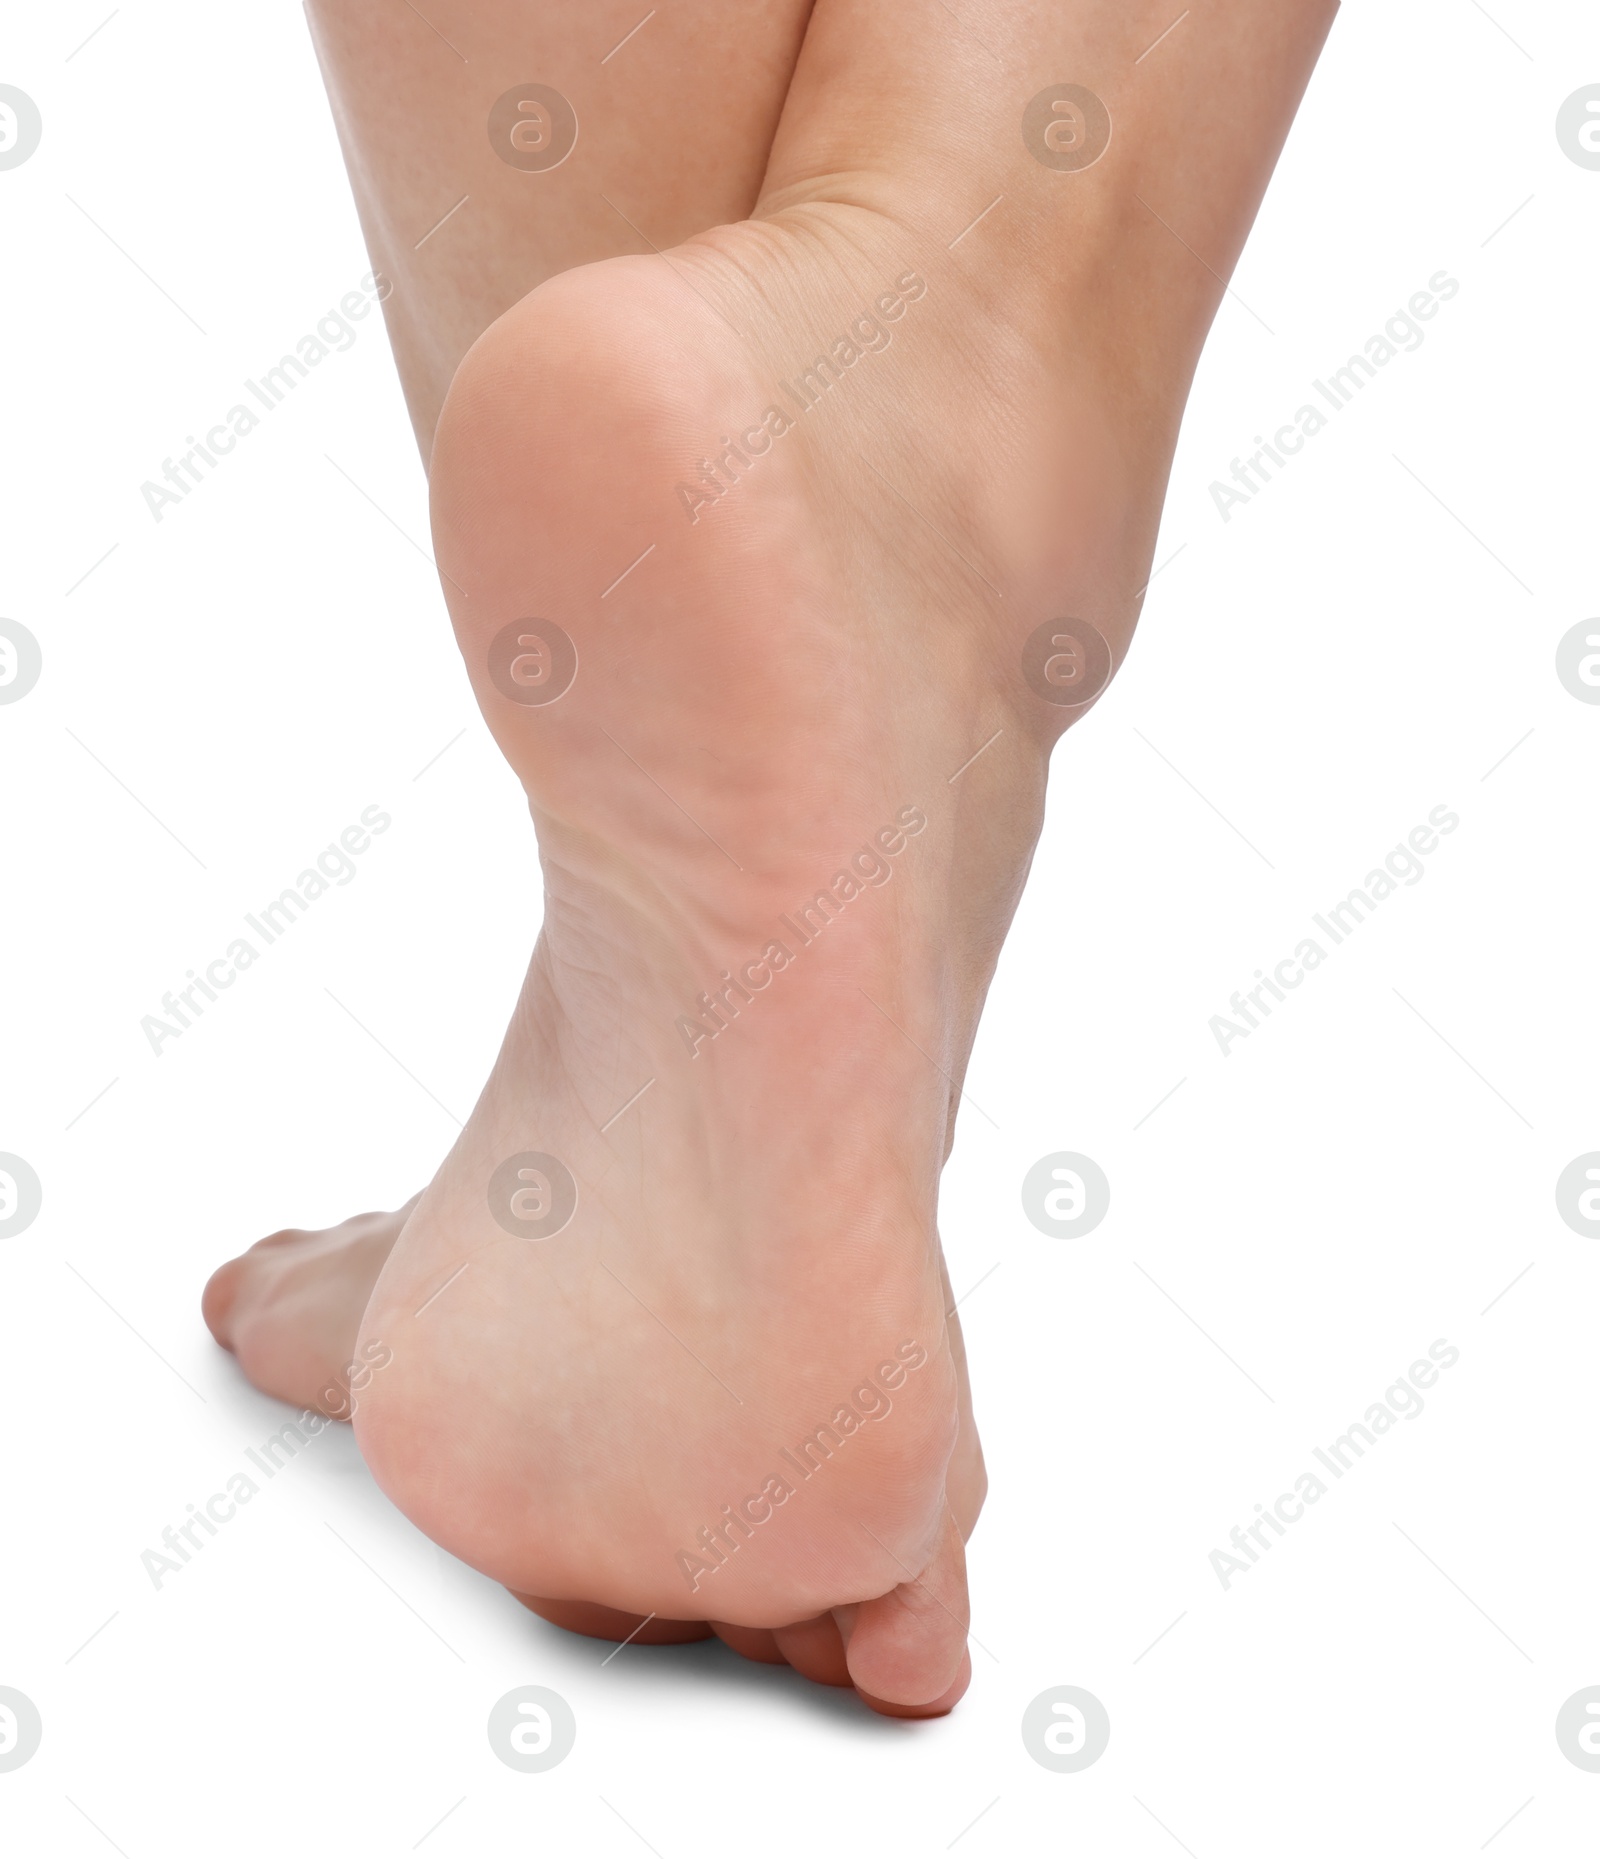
<point x="673" y="131"/>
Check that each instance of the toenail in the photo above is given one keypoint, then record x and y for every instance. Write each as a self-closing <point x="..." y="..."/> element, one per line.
<point x="532" y="662"/>
<point x="533" y="1195"/>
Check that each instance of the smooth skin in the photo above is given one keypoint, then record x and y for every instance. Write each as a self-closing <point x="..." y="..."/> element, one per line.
<point x="807" y="658"/>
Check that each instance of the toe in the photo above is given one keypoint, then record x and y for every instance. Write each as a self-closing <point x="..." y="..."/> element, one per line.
<point x="611" y="1623"/>
<point x="218" y="1299"/>
<point x="758" y="1643"/>
<point x="907" y="1648"/>
<point x="815" y="1648"/>
<point x="946" y="1701"/>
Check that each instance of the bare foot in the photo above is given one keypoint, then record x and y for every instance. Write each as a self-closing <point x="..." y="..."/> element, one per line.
<point x="770" y="710"/>
<point x="772" y="560"/>
<point x="290" y="1308"/>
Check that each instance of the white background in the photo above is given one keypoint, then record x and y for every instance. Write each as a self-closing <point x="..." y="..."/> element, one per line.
<point x="1295" y="1224"/>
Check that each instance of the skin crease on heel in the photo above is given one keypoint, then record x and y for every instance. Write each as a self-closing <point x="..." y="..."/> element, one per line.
<point x="555" y="1419"/>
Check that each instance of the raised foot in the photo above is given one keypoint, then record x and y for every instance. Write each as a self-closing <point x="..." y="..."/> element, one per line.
<point x="671" y="1334"/>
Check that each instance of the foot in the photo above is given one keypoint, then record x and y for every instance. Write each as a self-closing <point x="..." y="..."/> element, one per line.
<point x="788" y="687"/>
<point x="669" y="1330"/>
<point x="290" y="1309"/>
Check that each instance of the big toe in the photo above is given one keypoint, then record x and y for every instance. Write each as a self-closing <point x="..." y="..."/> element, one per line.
<point x="907" y="1649"/>
<point x="220" y="1298"/>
